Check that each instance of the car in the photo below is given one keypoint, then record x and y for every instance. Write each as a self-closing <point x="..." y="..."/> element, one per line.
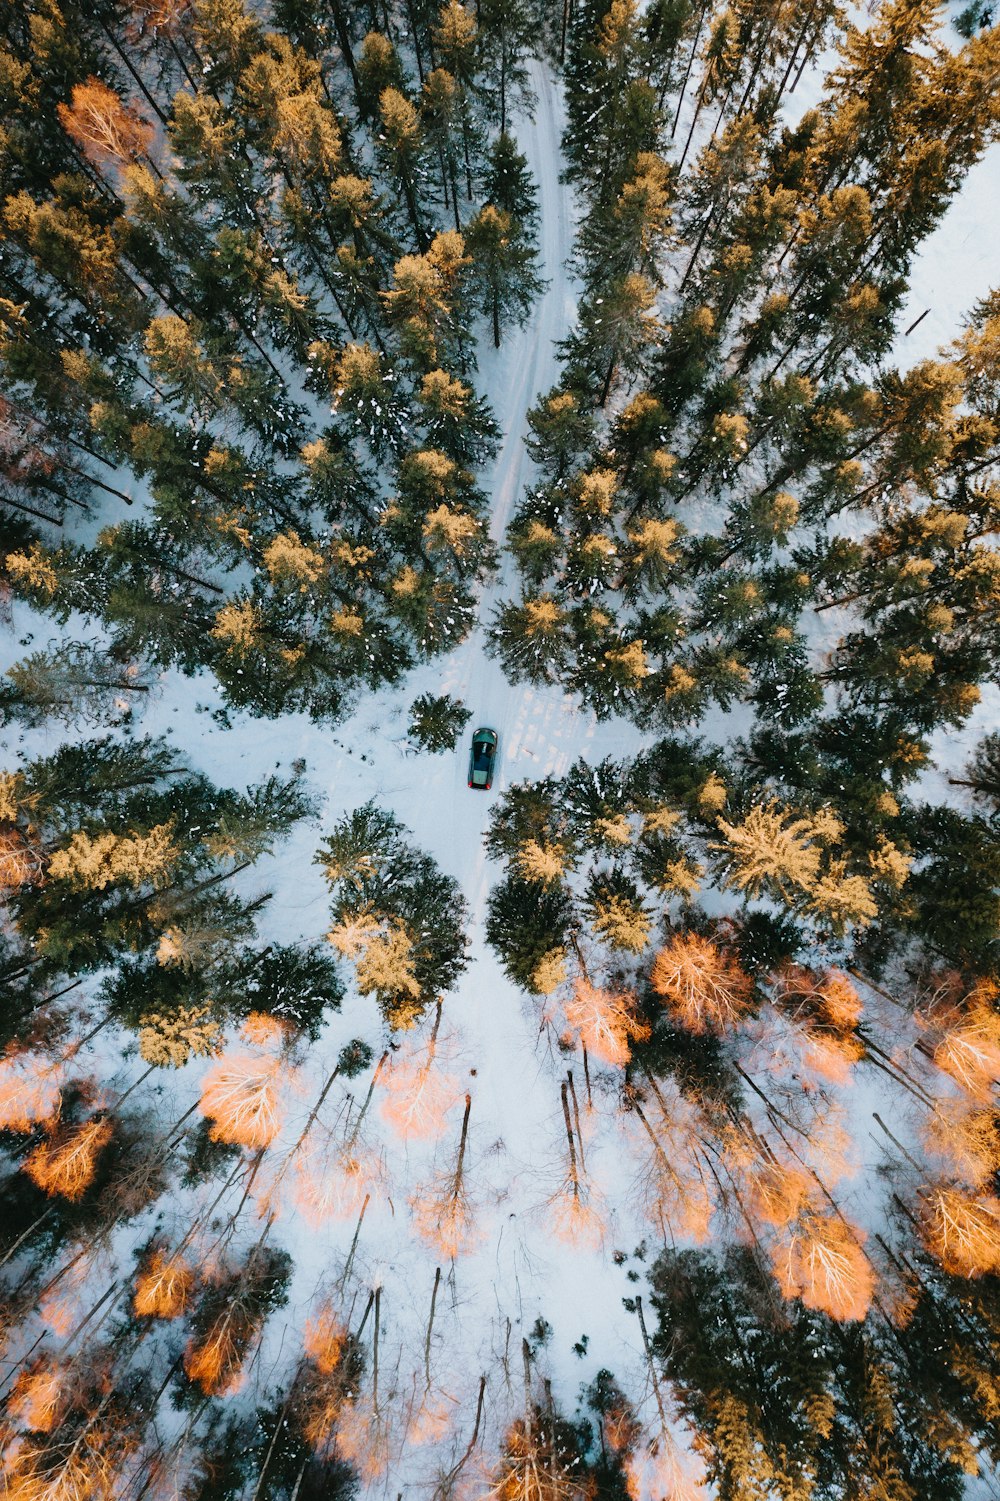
<point x="482" y="759"/>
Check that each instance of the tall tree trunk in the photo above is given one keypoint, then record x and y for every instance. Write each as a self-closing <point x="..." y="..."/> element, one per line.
<point x="687" y="71"/>
<point x="465" y="150"/>
<point x="667" y="78"/>
<point x="430" y="1327"/>
<point x="444" y="180"/>
<point x="411" y="209"/>
<point x="30" y="511"/>
<point x="123" y="56"/>
<point x="348" y="1264"/>
<point x="699" y="106"/>
<point x="795" y="48"/>
<point x="606" y="388"/>
<point x="454" y="191"/>
<point x="416" y="41"/>
<point x="696" y="252"/>
<point x="503" y="89"/>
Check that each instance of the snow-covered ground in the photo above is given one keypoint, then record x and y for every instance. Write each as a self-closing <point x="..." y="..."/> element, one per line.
<point x="492" y="1043"/>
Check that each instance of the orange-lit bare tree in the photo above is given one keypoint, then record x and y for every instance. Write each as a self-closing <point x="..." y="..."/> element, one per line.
<point x="83" y="1468"/>
<point x="678" y="1186"/>
<point x="270" y="1201"/>
<point x="433" y="1410"/>
<point x="819" y="1258"/>
<point x="29" y="1089"/>
<point x="65" y="1161"/>
<point x="365" y="1429"/>
<point x="574" y="1211"/>
<point x="604" y="1021"/>
<point x="962" y="1035"/>
<point x="326" y="1374"/>
<point x="75" y="1441"/>
<point x="230" y="1318"/>
<point x="826" y="1008"/>
<point x="810" y="1119"/>
<point x="703" y="988"/>
<point x="39" y="1395"/>
<point x="105" y="129"/>
<point x="620" y="1430"/>
<point x="961" y="1229"/>
<point x="965" y="1135"/>
<point x="770" y="1188"/>
<point x="779" y="1191"/>
<point x="540" y="1459"/>
<point x="325" y="1377"/>
<point x="242" y="1095"/>
<point x="418" y="1094"/>
<point x="164" y="1285"/>
<point x="337" y="1170"/>
<point x="656" y="1467"/>
<point x="21" y="862"/>
<point x="443" y="1213"/>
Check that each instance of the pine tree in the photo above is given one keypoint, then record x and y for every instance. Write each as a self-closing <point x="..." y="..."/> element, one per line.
<point x="456" y="421"/>
<point x="395" y="914"/>
<point x="72" y="681"/>
<point x="629" y="233"/>
<point x="425" y="300"/>
<point x="455" y="40"/>
<point x="508" y="35"/>
<point x="508" y="184"/>
<point x="112" y="823"/>
<point x="502" y="275"/>
<point x="439" y="106"/>
<point x="612" y="111"/>
<point x="758" y="1428"/>
<point x="614" y="335"/>
<point x="378" y="67"/>
<point x="401" y="135"/>
<point x="531" y="639"/>
<point x="436" y="723"/>
<point x="525" y="924"/>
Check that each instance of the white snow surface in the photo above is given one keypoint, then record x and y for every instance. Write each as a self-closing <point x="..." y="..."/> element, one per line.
<point x="492" y="1039"/>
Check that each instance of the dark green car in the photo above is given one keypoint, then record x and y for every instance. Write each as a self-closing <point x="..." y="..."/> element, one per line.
<point x="483" y="759"/>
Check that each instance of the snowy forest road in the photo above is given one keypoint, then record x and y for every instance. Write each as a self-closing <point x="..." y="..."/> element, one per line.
<point x="541" y="730"/>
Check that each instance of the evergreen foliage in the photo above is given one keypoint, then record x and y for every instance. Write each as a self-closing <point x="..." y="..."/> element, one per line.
<point x="197" y="269"/>
<point x="395" y="914"/>
<point x="436" y="723"/>
<point x="248" y="257"/>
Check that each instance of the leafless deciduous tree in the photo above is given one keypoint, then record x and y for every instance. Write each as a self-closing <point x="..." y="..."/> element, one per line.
<point x="703" y="989"/>
<point x="443" y="1212"/>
